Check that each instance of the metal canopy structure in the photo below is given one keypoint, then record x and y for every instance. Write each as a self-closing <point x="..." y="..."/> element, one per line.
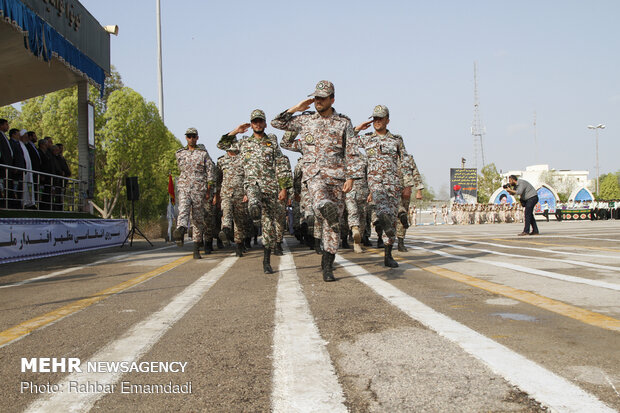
<point x="47" y="46"/>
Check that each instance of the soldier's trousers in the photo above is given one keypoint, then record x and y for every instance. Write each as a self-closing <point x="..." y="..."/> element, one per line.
<point x="280" y="219"/>
<point x="386" y="199"/>
<point x="235" y="210"/>
<point x="403" y="207"/>
<point x="192" y="201"/>
<point x="210" y="211"/>
<point x="267" y="203"/>
<point x="356" y="209"/>
<point x="320" y="193"/>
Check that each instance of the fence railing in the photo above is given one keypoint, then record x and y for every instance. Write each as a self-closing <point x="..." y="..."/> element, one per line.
<point x="27" y="189"/>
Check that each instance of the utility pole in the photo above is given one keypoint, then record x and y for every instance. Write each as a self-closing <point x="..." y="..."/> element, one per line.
<point x="477" y="130"/>
<point x="535" y="138"/>
<point x="159" y="65"/>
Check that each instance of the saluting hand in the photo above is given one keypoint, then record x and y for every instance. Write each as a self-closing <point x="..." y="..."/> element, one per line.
<point x="301" y="106"/>
<point x="240" y="129"/>
<point x="418" y="194"/>
<point x="363" y="126"/>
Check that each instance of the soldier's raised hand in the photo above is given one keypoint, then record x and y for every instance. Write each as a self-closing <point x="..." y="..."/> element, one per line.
<point x="418" y="194"/>
<point x="240" y="129"/>
<point x="363" y="126"/>
<point x="301" y="106"/>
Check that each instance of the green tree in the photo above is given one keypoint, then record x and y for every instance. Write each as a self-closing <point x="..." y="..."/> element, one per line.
<point x="488" y="182"/>
<point x="610" y="188"/>
<point x="11" y="114"/>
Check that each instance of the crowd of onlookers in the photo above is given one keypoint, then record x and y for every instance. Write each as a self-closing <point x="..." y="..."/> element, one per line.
<point x="32" y="170"/>
<point x="599" y="209"/>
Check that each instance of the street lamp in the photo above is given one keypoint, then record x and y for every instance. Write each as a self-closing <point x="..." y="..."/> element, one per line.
<point x="597" y="127"/>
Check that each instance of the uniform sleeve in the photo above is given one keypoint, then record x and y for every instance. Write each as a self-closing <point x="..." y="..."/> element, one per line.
<point x="354" y="167"/>
<point x="417" y="177"/>
<point x="297" y="179"/>
<point x="289" y="142"/>
<point x="287" y="121"/>
<point x="406" y="167"/>
<point x="226" y="141"/>
<point x="250" y="173"/>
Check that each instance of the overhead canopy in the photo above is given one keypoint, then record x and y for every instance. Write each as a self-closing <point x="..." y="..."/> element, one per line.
<point x="48" y="45"/>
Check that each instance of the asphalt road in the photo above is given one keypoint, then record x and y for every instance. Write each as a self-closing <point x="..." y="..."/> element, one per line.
<point x="474" y="319"/>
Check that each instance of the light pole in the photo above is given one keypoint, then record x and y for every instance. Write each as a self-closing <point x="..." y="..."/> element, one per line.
<point x="597" y="127"/>
<point x="160" y="77"/>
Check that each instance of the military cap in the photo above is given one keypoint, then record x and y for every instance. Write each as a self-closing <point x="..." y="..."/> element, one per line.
<point x="257" y="114"/>
<point x="191" y="131"/>
<point x="323" y="89"/>
<point x="380" y="111"/>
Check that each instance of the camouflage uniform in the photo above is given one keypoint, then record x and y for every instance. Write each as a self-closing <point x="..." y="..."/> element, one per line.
<point x="410" y="176"/>
<point x="385" y="155"/>
<point x="329" y="158"/>
<point x="284" y="164"/>
<point x="231" y="194"/>
<point x="197" y="174"/>
<point x="357" y="200"/>
<point x="264" y="177"/>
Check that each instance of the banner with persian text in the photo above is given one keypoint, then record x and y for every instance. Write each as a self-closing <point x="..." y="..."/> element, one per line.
<point x="30" y="238"/>
<point x="463" y="185"/>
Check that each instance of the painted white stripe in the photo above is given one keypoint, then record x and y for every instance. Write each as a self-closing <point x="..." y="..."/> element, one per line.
<point x="535" y="249"/>
<point x="131" y="346"/>
<point x="581" y="263"/>
<point x="304" y="379"/>
<point x="578" y="237"/>
<point x="68" y="270"/>
<point x="546" y="387"/>
<point x="520" y="268"/>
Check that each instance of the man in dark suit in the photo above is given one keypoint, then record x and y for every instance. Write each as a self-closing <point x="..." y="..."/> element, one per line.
<point x="6" y="158"/>
<point x="47" y="166"/>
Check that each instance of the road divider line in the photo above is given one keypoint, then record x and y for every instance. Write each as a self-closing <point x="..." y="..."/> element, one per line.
<point x="573" y="262"/>
<point x="546" y="303"/>
<point x="68" y="270"/>
<point x="304" y="379"/>
<point x="543" y="385"/>
<point x="23" y="329"/>
<point x="532" y="249"/>
<point x="527" y="241"/>
<point x="136" y="342"/>
<point x="520" y="268"/>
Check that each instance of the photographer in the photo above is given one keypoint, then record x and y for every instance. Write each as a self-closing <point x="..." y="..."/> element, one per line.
<point x="528" y="197"/>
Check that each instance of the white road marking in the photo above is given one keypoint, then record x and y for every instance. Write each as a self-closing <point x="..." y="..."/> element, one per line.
<point x="578" y="237"/>
<point x="520" y="268"/>
<point x="582" y="263"/>
<point x="546" y="387"/>
<point x="131" y="346"/>
<point x="68" y="270"/>
<point x="304" y="379"/>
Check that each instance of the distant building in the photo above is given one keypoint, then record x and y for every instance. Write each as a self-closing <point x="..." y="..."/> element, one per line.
<point x="562" y="180"/>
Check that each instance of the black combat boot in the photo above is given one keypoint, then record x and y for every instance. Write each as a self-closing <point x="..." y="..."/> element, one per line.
<point x="278" y="249"/>
<point x="247" y="244"/>
<point x="317" y="246"/>
<point x="385" y="222"/>
<point x="366" y="242"/>
<point x="267" y="261"/>
<point x="380" y="238"/>
<point x="178" y="235"/>
<point x="226" y="236"/>
<point x="401" y="245"/>
<point x="255" y="240"/>
<point x="219" y="243"/>
<point x="327" y="264"/>
<point x="345" y="242"/>
<point x="197" y="251"/>
<point x="388" y="259"/>
<point x="402" y="216"/>
<point x="239" y="249"/>
<point x="208" y="245"/>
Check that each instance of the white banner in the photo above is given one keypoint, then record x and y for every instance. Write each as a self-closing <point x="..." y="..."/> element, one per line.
<point x="29" y="238"/>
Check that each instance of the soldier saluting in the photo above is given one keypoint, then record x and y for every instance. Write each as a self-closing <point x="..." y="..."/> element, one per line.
<point x="330" y="162"/>
<point x="266" y="179"/>
<point x="193" y="186"/>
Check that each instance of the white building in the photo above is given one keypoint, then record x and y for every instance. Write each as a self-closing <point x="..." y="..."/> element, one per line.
<point x="564" y="180"/>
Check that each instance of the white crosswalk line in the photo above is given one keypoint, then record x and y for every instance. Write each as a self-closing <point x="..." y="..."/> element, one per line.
<point x="546" y="387"/>
<point x="304" y="379"/>
<point x="520" y="268"/>
<point x="131" y="346"/>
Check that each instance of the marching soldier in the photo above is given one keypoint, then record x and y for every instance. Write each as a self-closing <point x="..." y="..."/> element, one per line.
<point x="265" y="181"/>
<point x="193" y="186"/>
<point x="356" y="202"/>
<point x="330" y="162"/>
<point x="409" y="176"/>
<point x="386" y="152"/>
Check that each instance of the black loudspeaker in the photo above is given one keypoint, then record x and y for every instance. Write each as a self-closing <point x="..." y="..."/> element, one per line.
<point x="133" y="191"/>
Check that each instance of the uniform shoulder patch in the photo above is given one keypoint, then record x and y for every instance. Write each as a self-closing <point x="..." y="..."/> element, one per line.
<point x="180" y="150"/>
<point x="397" y="136"/>
<point x="308" y="112"/>
<point x="344" y="116"/>
<point x="369" y="133"/>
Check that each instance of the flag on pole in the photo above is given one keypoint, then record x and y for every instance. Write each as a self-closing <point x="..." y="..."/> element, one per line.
<point x="171" y="188"/>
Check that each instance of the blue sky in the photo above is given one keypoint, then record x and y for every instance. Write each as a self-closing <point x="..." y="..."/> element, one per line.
<point x="221" y="60"/>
